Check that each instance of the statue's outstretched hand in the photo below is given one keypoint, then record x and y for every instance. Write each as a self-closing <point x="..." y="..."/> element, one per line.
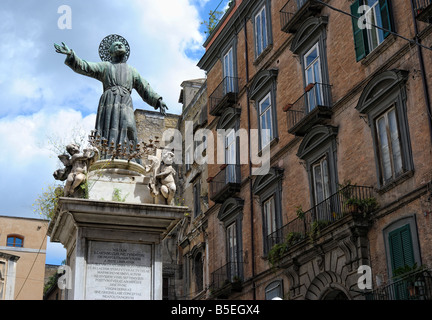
<point x="162" y="107"/>
<point x="63" y="49"/>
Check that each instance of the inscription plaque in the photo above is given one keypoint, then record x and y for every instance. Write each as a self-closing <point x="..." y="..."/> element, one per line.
<point x="119" y="271"/>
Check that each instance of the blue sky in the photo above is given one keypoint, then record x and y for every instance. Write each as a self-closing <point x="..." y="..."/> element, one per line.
<point x="43" y="100"/>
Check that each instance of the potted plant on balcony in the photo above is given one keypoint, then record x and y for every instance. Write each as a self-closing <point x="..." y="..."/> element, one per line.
<point x="410" y="274"/>
<point x="360" y="208"/>
<point x="236" y="284"/>
<point x="276" y="253"/>
<point x="316" y="227"/>
<point x="292" y="238"/>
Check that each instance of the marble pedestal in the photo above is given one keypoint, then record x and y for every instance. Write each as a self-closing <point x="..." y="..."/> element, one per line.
<point x="114" y="248"/>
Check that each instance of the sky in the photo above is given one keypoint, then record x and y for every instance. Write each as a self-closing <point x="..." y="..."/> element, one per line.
<point x="45" y="104"/>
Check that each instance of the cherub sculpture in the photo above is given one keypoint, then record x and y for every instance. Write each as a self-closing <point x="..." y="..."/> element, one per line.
<point x="76" y="167"/>
<point x="162" y="180"/>
<point x="153" y="167"/>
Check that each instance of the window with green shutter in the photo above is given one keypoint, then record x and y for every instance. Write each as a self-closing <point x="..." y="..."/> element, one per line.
<point x="366" y="15"/>
<point x="401" y="248"/>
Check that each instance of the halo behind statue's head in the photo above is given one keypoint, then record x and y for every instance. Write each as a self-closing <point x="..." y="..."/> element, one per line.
<point x="104" y="47"/>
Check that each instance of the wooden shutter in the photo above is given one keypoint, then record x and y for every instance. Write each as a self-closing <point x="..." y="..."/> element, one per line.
<point x="386" y="17"/>
<point x="360" y="37"/>
<point x="401" y="247"/>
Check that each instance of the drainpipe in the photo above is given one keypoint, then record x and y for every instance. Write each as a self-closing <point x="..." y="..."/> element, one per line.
<point x="423" y="71"/>
<point x="250" y="163"/>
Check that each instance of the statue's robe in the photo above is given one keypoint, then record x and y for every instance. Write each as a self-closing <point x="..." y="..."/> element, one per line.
<point x="115" y="119"/>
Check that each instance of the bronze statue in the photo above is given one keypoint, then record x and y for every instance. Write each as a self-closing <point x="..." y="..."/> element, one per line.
<point x="115" y="119"/>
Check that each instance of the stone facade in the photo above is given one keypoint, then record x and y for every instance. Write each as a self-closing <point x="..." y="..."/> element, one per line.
<point x="192" y="238"/>
<point x="151" y="124"/>
<point x="340" y="136"/>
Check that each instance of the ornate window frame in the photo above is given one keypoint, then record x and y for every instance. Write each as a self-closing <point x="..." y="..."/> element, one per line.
<point x="383" y="92"/>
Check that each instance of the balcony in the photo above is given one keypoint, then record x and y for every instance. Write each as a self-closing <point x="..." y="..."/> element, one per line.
<point x="227" y="279"/>
<point x="224" y="96"/>
<point x="357" y="201"/>
<point x="416" y="285"/>
<point x="295" y="12"/>
<point x="423" y="10"/>
<point x="310" y="109"/>
<point x="225" y="183"/>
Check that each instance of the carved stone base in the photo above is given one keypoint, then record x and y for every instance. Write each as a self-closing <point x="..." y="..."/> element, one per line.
<point x="114" y="249"/>
<point x="120" y="181"/>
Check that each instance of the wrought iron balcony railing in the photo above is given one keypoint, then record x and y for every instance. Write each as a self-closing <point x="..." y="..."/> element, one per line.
<point x="225" y="183"/>
<point x="423" y="10"/>
<point x="356" y="200"/>
<point x="229" y="274"/>
<point x="294" y="12"/>
<point x="225" y="95"/>
<point x="309" y="109"/>
<point x="416" y="285"/>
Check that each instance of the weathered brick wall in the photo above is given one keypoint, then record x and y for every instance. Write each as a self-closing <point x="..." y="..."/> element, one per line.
<point x="355" y="154"/>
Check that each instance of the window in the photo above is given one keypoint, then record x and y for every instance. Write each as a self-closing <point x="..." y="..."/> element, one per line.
<point x="232" y="250"/>
<point x="165" y="288"/>
<point x="370" y="13"/>
<point x="228" y="70"/>
<point x="321" y="183"/>
<point x="263" y="92"/>
<point x="188" y="158"/>
<point x="319" y="149"/>
<point x="198" y="271"/>
<point x="268" y="188"/>
<point x="270" y="216"/>
<point x="15" y="241"/>
<point x="390" y="157"/>
<point x="401" y="248"/>
<point x="261" y="35"/>
<point x="266" y="120"/>
<point x="384" y="102"/>
<point x="312" y="72"/>
<point x="310" y="44"/>
<point x="375" y="36"/>
<point x="401" y="242"/>
<point x="274" y="290"/>
<point x="231" y="156"/>
<point x="197" y="199"/>
<point x="231" y="215"/>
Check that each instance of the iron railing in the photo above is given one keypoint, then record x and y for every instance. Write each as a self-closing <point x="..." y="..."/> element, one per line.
<point x="288" y="11"/>
<point x="420" y="5"/>
<point x="295" y="11"/>
<point x="416" y="285"/>
<point x="229" y="273"/>
<point x="348" y="200"/>
<point x="227" y="90"/>
<point x="314" y="97"/>
<point x="227" y="178"/>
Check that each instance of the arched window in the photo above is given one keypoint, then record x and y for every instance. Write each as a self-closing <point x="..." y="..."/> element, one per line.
<point x="14" y="240"/>
<point x="274" y="290"/>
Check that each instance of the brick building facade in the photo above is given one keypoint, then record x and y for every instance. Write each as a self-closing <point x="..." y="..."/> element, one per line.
<point x="346" y="114"/>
